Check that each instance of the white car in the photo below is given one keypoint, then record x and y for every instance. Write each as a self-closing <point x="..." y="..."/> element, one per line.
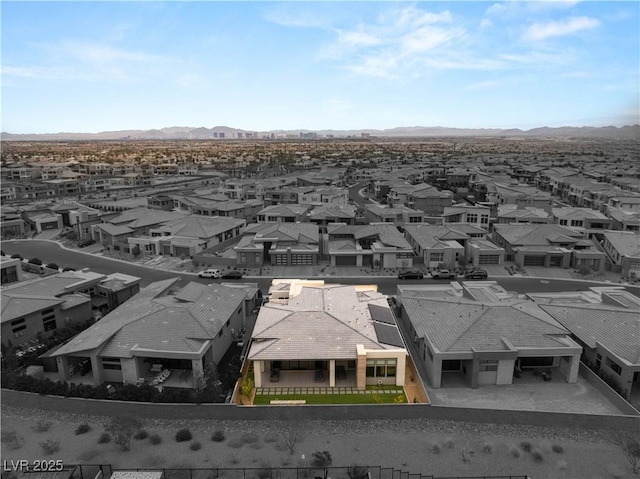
<point x="209" y="273"/>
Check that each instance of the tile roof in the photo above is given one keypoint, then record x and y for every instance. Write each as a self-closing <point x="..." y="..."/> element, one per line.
<point x="202" y="227"/>
<point x="625" y="243"/>
<point x="533" y="235"/>
<point x="463" y="325"/>
<point x="319" y="323"/>
<point x="15" y="306"/>
<point x="616" y="329"/>
<point x="141" y="217"/>
<point x="55" y="285"/>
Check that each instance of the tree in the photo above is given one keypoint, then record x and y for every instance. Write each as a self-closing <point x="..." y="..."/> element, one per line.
<point x="36" y="261"/>
<point x="208" y="385"/>
<point x="291" y="435"/>
<point x="630" y="445"/>
<point x="135" y="251"/>
<point x="321" y="460"/>
<point x="122" y="429"/>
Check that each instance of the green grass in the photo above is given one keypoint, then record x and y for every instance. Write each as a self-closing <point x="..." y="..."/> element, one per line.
<point x="381" y="398"/>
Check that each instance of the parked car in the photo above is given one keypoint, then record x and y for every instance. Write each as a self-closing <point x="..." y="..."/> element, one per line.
<point x="443" y="274"/>
<point x="476" y="274"/>
<point x="232" y="275"/>
<point x="209" y="273"/>
<point x="411" y="275"/>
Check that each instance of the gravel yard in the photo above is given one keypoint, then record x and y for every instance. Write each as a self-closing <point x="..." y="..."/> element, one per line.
<point x="416" y="446"/>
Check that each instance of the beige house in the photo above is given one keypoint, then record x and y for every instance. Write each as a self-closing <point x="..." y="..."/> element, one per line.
<point x="332" y="335"/>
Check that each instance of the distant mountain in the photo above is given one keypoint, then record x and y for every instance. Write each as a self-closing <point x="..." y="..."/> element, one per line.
<point x="190" y="133"/>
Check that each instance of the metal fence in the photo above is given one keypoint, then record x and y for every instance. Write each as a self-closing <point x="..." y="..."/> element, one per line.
<point x="267" y="472"/>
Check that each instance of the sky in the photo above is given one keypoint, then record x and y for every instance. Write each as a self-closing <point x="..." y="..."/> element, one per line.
<point x="260" y="66"/>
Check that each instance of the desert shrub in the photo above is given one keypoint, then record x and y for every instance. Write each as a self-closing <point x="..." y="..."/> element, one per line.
<point x="255" y="446"/>
<point x="12" y="439"/>
<point x="357" y="472"/>
<point x="525" y="446"/>
<point x="235" y="443"/>
<point x="42" y="426"/>
<point x="264" y="472"/>
<point x="195" y="446"/>
<point x="50" y="446"/>
<point x="271" y="437"/>
<point x="104" y="438"/>
<point x="321" y="459"/>
<point x="537" y="456"/>
<point x="141" y="435"/>
<point x="250" y="438"/>
<point x="122" y="429"/>
<point x="183" y="435"/>
<point x="487" y="448"/>
<point x="89" y="455"/>
<point x="233" y="459"/>
<point x="218" y="435"/>
<point x="435" y="449"/>
<point x="82" y="429"/>
<point x="155" y="439"/>
<point x="449" y="444"/>
<point x="557" y="448"/>
<point x="247" y="386"/>
<point x="36" y="261"/>
<point x="514" y="452"/>
<point x="53" y="266"/>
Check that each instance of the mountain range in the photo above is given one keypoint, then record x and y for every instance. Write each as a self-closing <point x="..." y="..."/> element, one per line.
<point x="185" y="133"/>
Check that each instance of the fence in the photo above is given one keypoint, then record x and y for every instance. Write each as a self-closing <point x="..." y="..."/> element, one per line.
<point x="267" y="472"/>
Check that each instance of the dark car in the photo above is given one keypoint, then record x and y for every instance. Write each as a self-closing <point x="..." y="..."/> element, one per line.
<point x="476" y="274"/>
<point x="232" y="275"/>
<point x="411" y="275"/>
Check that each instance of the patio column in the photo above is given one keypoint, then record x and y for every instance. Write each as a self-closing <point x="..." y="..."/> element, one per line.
<point x="572" y="372"/>
<point x="257" y="373"/>
<point x="361" y="368"/>
<point x="63" y="367"/>
<point x="198" y="370"/>
<point x="332" y="373"/>
<point x="96" y="369"/>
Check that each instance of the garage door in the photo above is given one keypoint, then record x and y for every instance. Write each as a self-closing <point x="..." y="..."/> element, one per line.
<point x="301" y="259"/>
<point x="489" y="259"/>
<point x="345" y="260"/>
<point x="182" y="251"/>
<point x="49" y="226"/>
<point x="534" y="260"/>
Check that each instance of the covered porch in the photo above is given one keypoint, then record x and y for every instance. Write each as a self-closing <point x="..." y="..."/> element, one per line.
<point x="312" y="379"/>
<point x="309" y="373"/>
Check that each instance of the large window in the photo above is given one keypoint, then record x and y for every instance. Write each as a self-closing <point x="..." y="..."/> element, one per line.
<point x="615" y="367"/>
<point x="111" y="363"/>
<point x="488" y="365"/>
<point x="436" y="257"/>
<point x="49" y="319"/>
<point x="18" y="325"/>
<point x="381" y="368"/>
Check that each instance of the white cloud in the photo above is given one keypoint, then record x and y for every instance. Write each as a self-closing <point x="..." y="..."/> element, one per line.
<point x="358" y="38"/>
<point x="542" y="31"/>
<point x="513" y="8"/>
<point x="428" y="38"/>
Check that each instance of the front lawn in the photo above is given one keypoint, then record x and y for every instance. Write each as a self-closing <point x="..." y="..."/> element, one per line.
<point x="374" y="398"/>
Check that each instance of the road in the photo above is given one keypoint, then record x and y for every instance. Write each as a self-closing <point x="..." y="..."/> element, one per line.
<point x="50" y="252"/>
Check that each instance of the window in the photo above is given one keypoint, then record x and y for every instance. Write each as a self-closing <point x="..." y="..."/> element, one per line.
<point x="615" y="367"/>
<point x="111" y="363"/>
<point x="18" y="325"/>
<point x="436" y="257"/>
<point x="484" y="219"/>
<point x="220" y="333"/>
<point x="488" y="365"/>
<point x="472" y="218"/>
<point x="381" y="368"/>
<point x="227" y="323"/>
<point x="49" y="322"/>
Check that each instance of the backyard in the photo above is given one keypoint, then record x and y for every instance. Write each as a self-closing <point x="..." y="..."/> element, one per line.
<point x="441" y="448"/>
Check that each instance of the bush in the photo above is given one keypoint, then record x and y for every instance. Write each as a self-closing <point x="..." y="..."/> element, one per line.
<point x="218" y="436"/>
<point x="195" y="446"/>
<point x="247" y="386"/>
<point x="525" y="446"/>
<point x="155" y="439"/>
<point x="357" y="472"/>
<point x="104" y="438"/>
<point x="36" y="261"/>
<point x="53" y="266"/>
<point x="42" y="426"/>
<point x="538" y="457"/>
<point x="50" y="447"/>
<point x="250" y="438"/>
<point x="449" y="444"/>
<point x="487" y="448"/>
<point x="183" y="435"/>
<point x="514" y="452"/>
<point x="141" y="434"/>
<point x="233" y="459"/>
<point x="235" y="443"/>
<point x="435" y="449"/>
<point x="82" y="429"/>
<point x="557" y="448"/>
<point x="17" y="255"/>
<point x="12" y="439"/>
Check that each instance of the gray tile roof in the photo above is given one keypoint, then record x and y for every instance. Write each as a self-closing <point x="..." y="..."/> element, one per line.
<point x="15" y="306"/>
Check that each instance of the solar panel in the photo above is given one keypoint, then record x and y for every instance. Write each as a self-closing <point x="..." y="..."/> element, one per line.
<point x="381" y="314"/>
<point x="388" y="334"/>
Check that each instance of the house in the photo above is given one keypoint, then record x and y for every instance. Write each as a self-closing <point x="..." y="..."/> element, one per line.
<point x="329" y="214"/>
<point x="328" y="334"/>
<point x="445" y="245"/>
<point x="604" y="321"/>
<point x="430" y="200"/>
<point x="519" y="195"/>
<point x="278" y="244"/>
<point x="187" y="236"/>
<point x="585" y="220"/>
<point x="510" y="213"/>
<point x="160" y="328"/>
<point x="283" y="213"/>
<point x="325" y="196"/>
<point x="624" y="220"/>
<point x="472" y="333"/>
<point x="11" y="222"/>
<point x="547" y="245"/>
<point x="623" y="250"/>
<point x="374" y="245"/>
<point x="474" y="215"/>
<point x="396" y="215"/>
<point x="11" y="270"/>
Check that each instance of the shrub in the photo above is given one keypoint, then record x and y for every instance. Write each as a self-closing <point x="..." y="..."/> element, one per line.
<point x="218" y="435"/>
<point x="195" y="446"/>
<point x="104" y="438"/>
<point x="17" y="255"/>
<point x="122" y="429"/>
<point x="538" y="457"/>
<point x="53" y="266"/>
<point x="525" y="446"/>
<point x="155" y="439"/>
<point x="12" y="439"/>
<point x="183" y="435"/>
<point x="36" y="261"/>
<point x="357" y="472"/>
<point x="271" y="437"/>
<point x="487" y="448"/>
<point x="264" y="472"/>
<point x="250" y="438"/>
<point x="141" y="435"/>
<point x="435" y="449"/>
<point x="50" y="446"/>
<point x="82" y="429"/>
<point x="449" y="444"/>
<point x="42" y="426"/>
<point x="557" y="448"/>
<point x="247" y="386"/>
<point x="256" y="446"/>
<point x="233" y="459"/>
<point x="514" y="452"/>
<point x="235" y="443"/>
